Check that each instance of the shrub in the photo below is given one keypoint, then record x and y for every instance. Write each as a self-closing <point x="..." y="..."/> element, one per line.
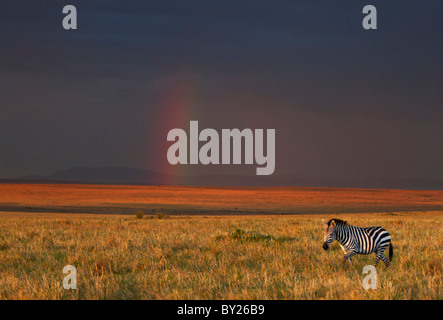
<point x="139" y="215"/>
<point x="159" y="215"/>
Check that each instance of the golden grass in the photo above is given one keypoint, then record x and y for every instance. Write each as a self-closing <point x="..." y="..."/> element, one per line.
<point x="184" y="257"/>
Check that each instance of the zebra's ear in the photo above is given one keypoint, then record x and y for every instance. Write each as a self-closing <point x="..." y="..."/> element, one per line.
<point x="332" y="223"/>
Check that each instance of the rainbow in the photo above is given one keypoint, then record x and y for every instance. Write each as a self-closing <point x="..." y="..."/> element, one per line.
<point x="176" y="107"/>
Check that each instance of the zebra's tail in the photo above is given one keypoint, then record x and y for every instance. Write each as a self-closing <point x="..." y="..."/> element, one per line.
<point x="391" y="251"/>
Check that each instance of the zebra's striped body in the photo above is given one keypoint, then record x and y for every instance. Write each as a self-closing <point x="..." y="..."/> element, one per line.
<point x="356" y="240"/>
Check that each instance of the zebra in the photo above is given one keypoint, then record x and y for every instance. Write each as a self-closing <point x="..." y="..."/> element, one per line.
<point x="355" y="240"/>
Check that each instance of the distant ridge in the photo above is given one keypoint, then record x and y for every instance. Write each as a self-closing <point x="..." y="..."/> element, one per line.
<point x="110" y="175"/>
<point x="136" y="176"/>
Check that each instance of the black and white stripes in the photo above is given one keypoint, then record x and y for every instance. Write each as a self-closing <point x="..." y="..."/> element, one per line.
<point x="356" y="240"/>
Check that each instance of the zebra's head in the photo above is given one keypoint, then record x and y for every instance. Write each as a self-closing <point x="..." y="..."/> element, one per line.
<point x="328" y="234"/>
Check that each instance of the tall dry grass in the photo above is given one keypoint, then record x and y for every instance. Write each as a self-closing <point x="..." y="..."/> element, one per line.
<point x="237" y="257"/>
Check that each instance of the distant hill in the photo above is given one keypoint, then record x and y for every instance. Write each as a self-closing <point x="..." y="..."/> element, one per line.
<point x="128" y="175"/>
<point x="110" y="175"/>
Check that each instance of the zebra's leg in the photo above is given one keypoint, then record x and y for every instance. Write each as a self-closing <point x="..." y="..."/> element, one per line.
<point x="385" y="260"/>
<point x="381" y="255"/>
<point x="347" y="256"/>
<point x="345" y="252"/>
<point x="377" y="258"/>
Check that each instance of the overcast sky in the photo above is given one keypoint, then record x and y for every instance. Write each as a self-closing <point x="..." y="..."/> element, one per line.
<point x="344" y="101"/>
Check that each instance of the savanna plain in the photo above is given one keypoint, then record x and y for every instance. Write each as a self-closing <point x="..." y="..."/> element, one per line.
<point x="236" y="247"/>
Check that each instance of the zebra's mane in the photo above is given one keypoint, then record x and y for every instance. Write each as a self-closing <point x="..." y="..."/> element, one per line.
<point x="337" y="221"/>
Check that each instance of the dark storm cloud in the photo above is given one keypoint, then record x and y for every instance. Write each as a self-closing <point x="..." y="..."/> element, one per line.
<point x="344" y="101"/>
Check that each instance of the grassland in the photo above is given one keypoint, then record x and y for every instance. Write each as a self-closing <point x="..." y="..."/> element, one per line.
<point x="211" y="257"/>
<point x="119" y="199"/>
